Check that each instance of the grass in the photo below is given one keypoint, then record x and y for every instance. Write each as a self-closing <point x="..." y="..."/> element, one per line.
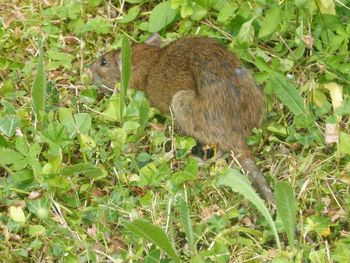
<point x="73" y="181"/>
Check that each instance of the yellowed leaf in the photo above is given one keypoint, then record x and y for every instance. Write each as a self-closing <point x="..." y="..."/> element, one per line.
<point x="17" y="214"/>
<point x="336" y="92"/>
<point x="326" y="6"/>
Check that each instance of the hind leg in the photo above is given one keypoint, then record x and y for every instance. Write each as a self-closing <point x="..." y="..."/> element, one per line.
<point x="186" y="109"/>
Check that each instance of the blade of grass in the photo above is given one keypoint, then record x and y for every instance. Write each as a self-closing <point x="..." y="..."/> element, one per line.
<point x="240" y="184"/>
<point x="39" y="86"/>
<point x="153" y="234"/>
<point x="125" y="75"/>
<point x="287" y="209"/>
<point x="186" y="222"/>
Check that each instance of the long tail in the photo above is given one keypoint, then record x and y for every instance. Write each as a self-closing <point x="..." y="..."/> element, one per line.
<point x="258" y="180"/>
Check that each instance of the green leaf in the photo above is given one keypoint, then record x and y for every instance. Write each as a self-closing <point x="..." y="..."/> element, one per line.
<point x="36" y="230"/>
<point x="240" y="184"/>
<point x="98" y="25"/>
<point x="112" y="112"/>
<point x="344" y="143"/>
<point x="198" y="13"/>
<point x="131" y="125"/>
<point x="39" y="85"/>
<point x="143" y="117"/>
<point x="22" y="145"/>
<point x="153" y="234"/>
<point x="246" y="33"/>
<point x="161" y="16"/>
<point x="40" y="207"/>
<point x="341" y="253"/>
<point x="287" y="93"/>
<point x="13" y="158"/>
<point x="226" y="12"/>
<point x="17" y="214"/>
<point x="270" y="22"/>
<point x="84" y="168"/>
<point x="126" y="71"/>
<point x="59" y="59"/>
<point x="77" y="123"/>
<point x="9" y="124"/>
<point x="82" y="122"/>
<point x="132" y="14"/>
<point x="190" y="172"/>
<point x="186" y="222"/>
<point x="287" y="209"/>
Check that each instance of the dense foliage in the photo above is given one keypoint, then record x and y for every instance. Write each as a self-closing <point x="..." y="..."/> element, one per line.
<point x="107" y="179"/>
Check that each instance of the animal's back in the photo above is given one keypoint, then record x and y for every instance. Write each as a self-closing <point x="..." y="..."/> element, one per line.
<point x="213" y="97"/>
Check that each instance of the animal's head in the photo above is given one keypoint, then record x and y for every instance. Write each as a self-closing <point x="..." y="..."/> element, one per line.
<point x="106" y="70"/>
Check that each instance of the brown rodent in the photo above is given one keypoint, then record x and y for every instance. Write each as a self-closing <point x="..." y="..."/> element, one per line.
<point x="212" y="96"/>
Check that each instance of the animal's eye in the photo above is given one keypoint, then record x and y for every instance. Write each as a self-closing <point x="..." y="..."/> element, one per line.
<point x="103" y="62"/>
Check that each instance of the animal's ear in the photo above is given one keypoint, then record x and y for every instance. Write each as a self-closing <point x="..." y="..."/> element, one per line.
<point x="154" y="40"/>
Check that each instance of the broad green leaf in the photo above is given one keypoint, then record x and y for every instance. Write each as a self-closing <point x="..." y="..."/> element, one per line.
<point x="77" y="123"/>
<point x="287" y="93"/>
<point x="240" y="184"/>
<point x="153" y="256"/>
<point x="300" y="3"/>
<point x="39" y="85"/>
<point x="344" y="109"/>
<point x="326" y="6"/>
<point x="87" y="141"/>
<point x="98" y="25"/>
<point x="17" y="214"/>
<point x="59" y="59"/>
<point x="22" y="145"/>
<point x="246" y="33"/>
<point x="9" y="124"/>
<point x="161" y="16"/>
<point x="36" y="230"/>
<point x="84" y="168"/>
<point x="154" y="234"/>
<point x="13" y="158"/>
<point x="112" y="112"/>
<point x="262" y="65"/>
<point x="226" y="12"/>
<point x="132" y="14"/>
<point x="341" y="251"/>
<point x="126" y="71"/>
<point x="186" y="222"/>
<point x="198" y="13"/>
<point x="40" y="207"/>
<point x="82" y="122"/>
<point x="94" y="3"/>
<point x="287" y="209"/>
<point x="271" y="22"/>
<point x="186" y="11"/>
<point x="344" y="143"/>
<point x="130" y="125"/>
<point x="190" y="172"/>
<point x="66" y="119"/>
<point x="184" y="146"/>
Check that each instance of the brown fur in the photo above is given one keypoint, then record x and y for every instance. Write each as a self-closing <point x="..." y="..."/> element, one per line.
<point x="213" y="98"/>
